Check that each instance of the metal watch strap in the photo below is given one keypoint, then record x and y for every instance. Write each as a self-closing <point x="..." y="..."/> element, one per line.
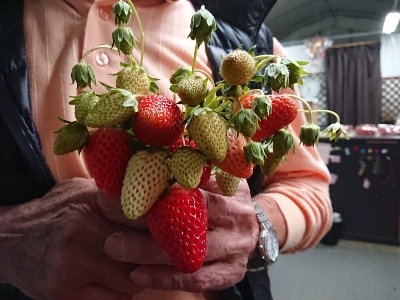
<point x="264" y="224"/>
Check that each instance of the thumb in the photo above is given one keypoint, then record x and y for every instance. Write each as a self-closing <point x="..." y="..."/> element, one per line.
<point x="112" y="210"/>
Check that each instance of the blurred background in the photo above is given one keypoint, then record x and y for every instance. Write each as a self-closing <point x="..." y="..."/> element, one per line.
<point x="354" y="63"/>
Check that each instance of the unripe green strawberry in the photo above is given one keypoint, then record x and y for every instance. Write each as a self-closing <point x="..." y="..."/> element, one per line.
<point x="178" y="222"/>
<point x="72" y="136"/>
<point x="84" y="103"/>
<point x="227" y="183"/>
<point x="192" y="90"/>
<point x="146" y="177"/>
<point x="270" y="164"/>
<point x="135" y="81"/>
<point x="237" y="67"/>
<point x="208" y="130"/>
<point x="110" y="110"/>
<point x="187" y="166"/>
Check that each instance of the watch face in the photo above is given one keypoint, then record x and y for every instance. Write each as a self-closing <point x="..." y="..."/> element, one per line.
<point x="272" y="244"/>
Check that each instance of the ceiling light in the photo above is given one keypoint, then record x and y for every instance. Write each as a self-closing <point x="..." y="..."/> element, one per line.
<point x="391" y="21"/>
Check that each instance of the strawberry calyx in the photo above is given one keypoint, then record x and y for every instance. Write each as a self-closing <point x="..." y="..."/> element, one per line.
<point x="124" y="40"/>
<point x="82" y="73"/>
<point x="202" y="25"/>
<point x="254" y="152"/>
<point x="122" y="12"/>
<point x="71" y="137"/>
<point x="309" y="134"/>
<point x="335" y="131"/>
<point x="282" y="142"/>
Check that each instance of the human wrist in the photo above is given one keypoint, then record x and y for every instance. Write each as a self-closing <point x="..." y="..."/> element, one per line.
<point x="274" y="214"/>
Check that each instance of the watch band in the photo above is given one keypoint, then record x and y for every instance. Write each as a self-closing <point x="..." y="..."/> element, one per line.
<point x="265" y="225"/>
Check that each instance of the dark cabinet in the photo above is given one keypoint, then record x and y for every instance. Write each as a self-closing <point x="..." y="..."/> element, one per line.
<point x="365" y="188"/>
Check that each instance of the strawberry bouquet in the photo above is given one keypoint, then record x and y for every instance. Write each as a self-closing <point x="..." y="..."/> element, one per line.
<point x="155" y="154"/>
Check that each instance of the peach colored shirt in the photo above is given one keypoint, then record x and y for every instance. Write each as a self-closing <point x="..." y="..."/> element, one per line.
<point x="59" y="32"/>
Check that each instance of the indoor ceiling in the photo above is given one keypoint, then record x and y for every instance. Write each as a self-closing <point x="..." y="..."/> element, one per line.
<point x="293" y="21"/>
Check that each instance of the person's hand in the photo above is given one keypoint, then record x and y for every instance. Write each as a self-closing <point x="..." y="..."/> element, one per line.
<point x="232" y="236"/>
<point x="52" y="248"/>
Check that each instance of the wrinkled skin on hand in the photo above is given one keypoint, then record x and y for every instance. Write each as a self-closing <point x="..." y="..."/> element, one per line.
<point x="53" y="247"/>
<point x="231" y="238"/>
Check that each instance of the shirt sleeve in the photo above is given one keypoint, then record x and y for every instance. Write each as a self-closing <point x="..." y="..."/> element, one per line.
<point x="300" y="186"/>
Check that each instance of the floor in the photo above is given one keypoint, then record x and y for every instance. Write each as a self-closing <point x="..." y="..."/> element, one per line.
<point x="348" y="271"/>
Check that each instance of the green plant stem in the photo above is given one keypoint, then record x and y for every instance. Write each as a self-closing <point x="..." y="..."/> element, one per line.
<point x="205" y="74"/>
<point x="221" y="98"/>
<point x="196" y="48"/>
<point x="309" y="110"/>
<point x="102" y="46"/>
<point x="140" y="29"/>
<point x="324" y="111"/>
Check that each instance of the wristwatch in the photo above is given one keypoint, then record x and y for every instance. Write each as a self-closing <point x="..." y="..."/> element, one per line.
<point x="268" y="243"/>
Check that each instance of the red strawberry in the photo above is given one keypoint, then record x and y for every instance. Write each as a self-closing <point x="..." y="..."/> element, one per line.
<point x="235" y="162"/>
<point x="179" y="143"/>
<point x="158" y="121"/>
<point x="284" y="111"/>
<point x="106" y="156"/>
<point x="178" y="222"/>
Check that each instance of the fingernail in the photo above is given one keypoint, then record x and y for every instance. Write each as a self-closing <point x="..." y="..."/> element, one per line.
<point x="114" y="246"/>
<point x="141" y="278"/>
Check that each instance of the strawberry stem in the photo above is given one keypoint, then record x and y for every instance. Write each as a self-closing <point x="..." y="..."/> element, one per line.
<point x="102" y="46"/>
<point x="205" y="74"/>
<point x="324" y="111"/>
<point x="194" y="58"/>
<point x="262" y="60"/>
<point x="309" y="110"/>
<point x="140" y="29"/>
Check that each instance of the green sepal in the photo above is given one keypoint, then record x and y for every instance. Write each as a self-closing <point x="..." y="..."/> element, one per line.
<point x="202" y="24"/>
<point x="71" y="137"/>
<point x="262" y="106"/>
<point x="252" y="50"/>
<point x="130" y="100"/>
<point x="82" y="73"/>
<point x="276" y="76"/>
<point x="282" y="143"/>
<point x="334" y="131"/>
<point x="122" y="12"/>
<point x="254" y="152"/>
<point x="244" y="118"/>
<point x="296" y="71"/>
<point x="179" y="74"/>
<point x="124" y="39"/>
<point x="309" y="134"/>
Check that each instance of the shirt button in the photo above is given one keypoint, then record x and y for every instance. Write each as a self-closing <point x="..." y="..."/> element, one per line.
<point x="104" y="13"/>
<point x="102" y="59"/>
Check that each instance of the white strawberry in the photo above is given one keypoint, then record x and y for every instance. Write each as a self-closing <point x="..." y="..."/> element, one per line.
<point x="187" y="166"/>
<point x="227" y="183"/>
<point x="146" y="177"/>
